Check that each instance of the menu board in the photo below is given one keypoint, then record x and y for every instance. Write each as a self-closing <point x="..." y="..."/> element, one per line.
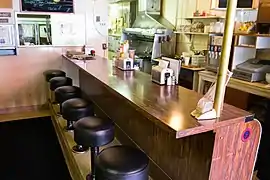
<point x="64" y="6"/>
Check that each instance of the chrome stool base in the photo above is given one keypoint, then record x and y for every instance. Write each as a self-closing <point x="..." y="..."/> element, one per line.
<point x="79" y="149"/>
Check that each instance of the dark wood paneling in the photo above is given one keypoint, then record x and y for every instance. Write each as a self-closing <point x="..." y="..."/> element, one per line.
<point x="182" y="159"/>
<point x="242" y="98"/>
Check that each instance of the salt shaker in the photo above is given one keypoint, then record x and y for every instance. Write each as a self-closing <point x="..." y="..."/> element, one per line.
<point x="169" y="81"/>
<point x="173" y="80"/>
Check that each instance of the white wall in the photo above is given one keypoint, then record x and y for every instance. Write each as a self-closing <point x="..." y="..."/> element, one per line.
<point x="96" y="33"/>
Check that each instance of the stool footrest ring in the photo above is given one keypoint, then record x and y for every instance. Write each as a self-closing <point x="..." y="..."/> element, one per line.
<point x="79" y="149"/>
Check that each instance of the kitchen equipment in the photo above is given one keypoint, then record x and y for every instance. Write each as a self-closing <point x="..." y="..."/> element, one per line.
<point x="151" y="34"/>
<point x="215" y="50"/>
<point x="125" y="64"/>
<point x="252" y="70"/>
<point x="161" y="75"/>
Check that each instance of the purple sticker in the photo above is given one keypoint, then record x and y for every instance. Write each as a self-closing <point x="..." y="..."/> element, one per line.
<point x="246" y="135"/>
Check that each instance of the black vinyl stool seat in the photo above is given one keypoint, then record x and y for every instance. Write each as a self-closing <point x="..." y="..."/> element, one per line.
<point x="64" y="93"/>
<point x="93" y="132"/>
<point x="53" y="73"/>
<point x="49" y="74"/>
<point x="73" y="110"/>
<point x="57" y="82"/>
<point x="122" y="163"/>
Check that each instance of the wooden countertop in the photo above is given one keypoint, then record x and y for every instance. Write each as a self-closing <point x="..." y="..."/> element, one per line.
<point x="167" y="106"/>
<point x="192" y="68"/>
<point x="256" y="88"/>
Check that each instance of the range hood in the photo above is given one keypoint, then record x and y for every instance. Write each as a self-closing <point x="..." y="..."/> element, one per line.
<point x="149" y="16"/>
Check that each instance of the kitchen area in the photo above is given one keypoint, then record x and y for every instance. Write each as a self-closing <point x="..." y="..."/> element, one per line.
<point x="192" y="37"/>
<point x="146" y="30"/>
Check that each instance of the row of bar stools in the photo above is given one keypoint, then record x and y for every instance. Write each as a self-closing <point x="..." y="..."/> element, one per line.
<point x="113" y="163"/>
<point x="68" y="97"/>
<point x="49" y="74"/>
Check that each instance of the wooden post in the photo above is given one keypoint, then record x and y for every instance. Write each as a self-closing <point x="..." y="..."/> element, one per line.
<point x="225" y="56"/>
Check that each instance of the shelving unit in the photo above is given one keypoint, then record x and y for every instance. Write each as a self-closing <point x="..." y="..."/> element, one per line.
<point x="192" y="33"/>
<point x="244" y="47"/>
<point x="205" y="17"/>
<point x="206" y="20"/>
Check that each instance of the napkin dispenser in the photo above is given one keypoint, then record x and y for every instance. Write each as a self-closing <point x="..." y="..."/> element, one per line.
<point x="160" y="75"/>
<point x="125" y="64"/>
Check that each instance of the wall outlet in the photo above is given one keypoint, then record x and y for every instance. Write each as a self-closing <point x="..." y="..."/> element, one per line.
<point x="98" y="18"/>
<point x="104" y="46"/>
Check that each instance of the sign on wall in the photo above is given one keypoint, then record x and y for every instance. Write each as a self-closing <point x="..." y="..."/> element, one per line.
<point x="68" y="29"/>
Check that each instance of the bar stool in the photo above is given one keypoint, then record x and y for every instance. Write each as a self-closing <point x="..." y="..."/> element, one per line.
<point x="93" y="132"/>
<point x="51" y="74"/>
<point x="64" y="93"/>
<point x="121" y="163"/>
<point x="73" y="110"/>
<point x="57" y="82"/>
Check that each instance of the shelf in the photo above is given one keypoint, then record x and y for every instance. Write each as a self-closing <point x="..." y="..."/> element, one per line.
<point x="243" y="46"/>
<point x="241" y="34"/>
<point x="255" y="35"/>
<point x="215" y="33"/>
<point x="191" y="33"/>
<point x="237" y="9"/>
<point x="115" y="35"/>
<point x="205" y="17"/>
